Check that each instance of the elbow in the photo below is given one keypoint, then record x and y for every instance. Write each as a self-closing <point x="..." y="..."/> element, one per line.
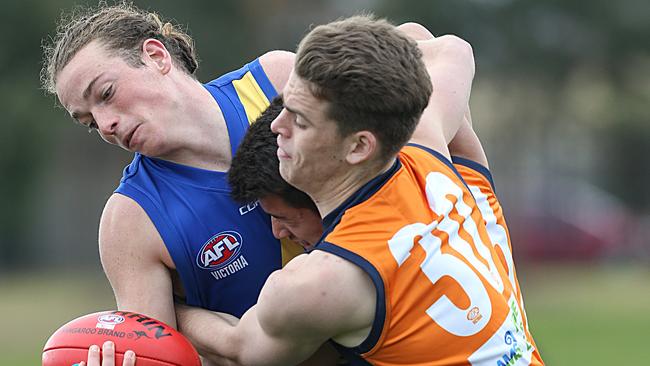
<point x="460" y="49"/>
<point x="416" y="31"/>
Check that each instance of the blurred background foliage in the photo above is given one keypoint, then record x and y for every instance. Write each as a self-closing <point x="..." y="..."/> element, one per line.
<point x="560" y="101"/>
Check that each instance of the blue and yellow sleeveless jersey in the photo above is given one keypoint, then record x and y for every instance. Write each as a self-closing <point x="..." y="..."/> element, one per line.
<point x="222" y="250"/>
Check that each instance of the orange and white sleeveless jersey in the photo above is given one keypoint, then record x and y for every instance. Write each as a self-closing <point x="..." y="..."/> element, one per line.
<point x="445" y="294"/>
<point x="479" y="180"/>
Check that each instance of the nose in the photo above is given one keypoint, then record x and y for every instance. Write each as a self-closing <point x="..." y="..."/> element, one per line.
<point x="280" y="125"/>
<point x="279" y="230"/>
<point x="106" y="122"/>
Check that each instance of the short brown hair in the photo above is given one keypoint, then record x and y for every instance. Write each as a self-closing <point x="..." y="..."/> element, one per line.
<point x="121" y="28"/>
<point x="372" y="75"/>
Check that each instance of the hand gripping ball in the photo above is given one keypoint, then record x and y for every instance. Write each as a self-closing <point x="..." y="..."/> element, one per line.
<point x="154" y="342"/>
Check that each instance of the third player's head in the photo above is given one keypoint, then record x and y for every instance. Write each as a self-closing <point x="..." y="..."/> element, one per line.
<point x="119" y="70"/>
<point x="254" y="175"/>
<point x="354" y="98"/>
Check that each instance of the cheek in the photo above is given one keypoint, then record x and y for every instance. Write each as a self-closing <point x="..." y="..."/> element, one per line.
<point x="312" y="150"/>
<point x="317" y="226"/>
<point x="140" y="102"/>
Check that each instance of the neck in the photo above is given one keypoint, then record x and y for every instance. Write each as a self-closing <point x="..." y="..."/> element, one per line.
<point x="338" y="189"/>
<point x="200" y="138"/>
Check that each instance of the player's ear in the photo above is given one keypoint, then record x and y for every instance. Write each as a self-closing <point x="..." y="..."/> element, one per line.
<point x="155" y="53"/>
<point x="363" y="146"/>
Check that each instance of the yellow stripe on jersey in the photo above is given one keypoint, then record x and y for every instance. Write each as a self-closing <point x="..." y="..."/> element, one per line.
<point x="251" y="96"/>
<point x="255" y="102"/>
<point x="290" y="249"/>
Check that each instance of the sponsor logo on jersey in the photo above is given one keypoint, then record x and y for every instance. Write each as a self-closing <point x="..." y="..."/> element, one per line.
<point x="513" y="354"/>
<point x="220" y="251"/>
<point x="109" y="321"/>
<point x="243" y="210"/>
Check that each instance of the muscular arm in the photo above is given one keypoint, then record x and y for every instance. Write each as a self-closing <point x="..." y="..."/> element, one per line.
<point x="466" y="144"/>
<point x="314" y="298"/>
<point x="450" y="63"/>
<point x="131" y="252"/>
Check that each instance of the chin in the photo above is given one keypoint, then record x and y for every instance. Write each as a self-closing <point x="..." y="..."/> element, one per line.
<point x="151" y="149"/>
<point x="284" y="173"/>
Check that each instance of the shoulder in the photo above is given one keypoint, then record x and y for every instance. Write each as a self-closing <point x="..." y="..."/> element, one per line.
<point x="320" y="292"/>
<point x="126" y="228"/>
<point x="277" y="65"/>
<point x="122" y="212"/>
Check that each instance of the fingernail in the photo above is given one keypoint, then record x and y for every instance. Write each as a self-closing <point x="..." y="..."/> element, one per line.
<point x="129" y="354"/>
<point x="94" y="348"/>
<point x="108" y="344"/>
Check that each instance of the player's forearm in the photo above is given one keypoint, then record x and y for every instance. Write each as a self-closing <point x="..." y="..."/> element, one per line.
<point x="225" y="340"/>
<point x="159" y="308"/>
<point x="151" y="295"/>
<point x="212" y="334"/>
<point x="450" y="63"/>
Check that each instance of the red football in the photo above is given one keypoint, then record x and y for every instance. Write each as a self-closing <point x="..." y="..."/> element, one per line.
<point x="154" y="342"/>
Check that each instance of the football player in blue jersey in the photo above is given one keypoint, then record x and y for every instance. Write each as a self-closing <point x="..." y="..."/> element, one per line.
<point x="171" y="226"/>
<point x="129" y="76"/>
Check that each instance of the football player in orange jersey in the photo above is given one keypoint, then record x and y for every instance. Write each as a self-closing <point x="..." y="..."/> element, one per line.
<point x="254" y="176"/>
<point x="407" y="271"/>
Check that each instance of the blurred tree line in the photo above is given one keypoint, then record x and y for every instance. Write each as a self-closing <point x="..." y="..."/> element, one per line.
<point x="560" y="101"/>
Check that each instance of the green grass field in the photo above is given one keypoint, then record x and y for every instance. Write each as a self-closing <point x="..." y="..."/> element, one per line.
<point x="578" y="315"/>
<point x="589" y="316"/>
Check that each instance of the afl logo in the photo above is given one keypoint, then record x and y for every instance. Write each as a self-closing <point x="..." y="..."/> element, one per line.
<point x="109" y="321"/>
<point x="220" y="250"/>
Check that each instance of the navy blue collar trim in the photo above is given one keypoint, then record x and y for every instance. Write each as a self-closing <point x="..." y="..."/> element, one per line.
<point x="475" y="166"/>
<point x="362" y="194"/>
<point x="352" y="358"/>
<point x="434" y="153"/>
<point x="442" y="158"/>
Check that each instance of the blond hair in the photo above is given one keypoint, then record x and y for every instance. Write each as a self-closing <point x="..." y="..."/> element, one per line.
<point x="121" y="29"/>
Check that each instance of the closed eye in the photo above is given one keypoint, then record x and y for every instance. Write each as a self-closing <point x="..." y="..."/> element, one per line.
<point x="298" y="124"/>
<point x="107" y="93"/>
